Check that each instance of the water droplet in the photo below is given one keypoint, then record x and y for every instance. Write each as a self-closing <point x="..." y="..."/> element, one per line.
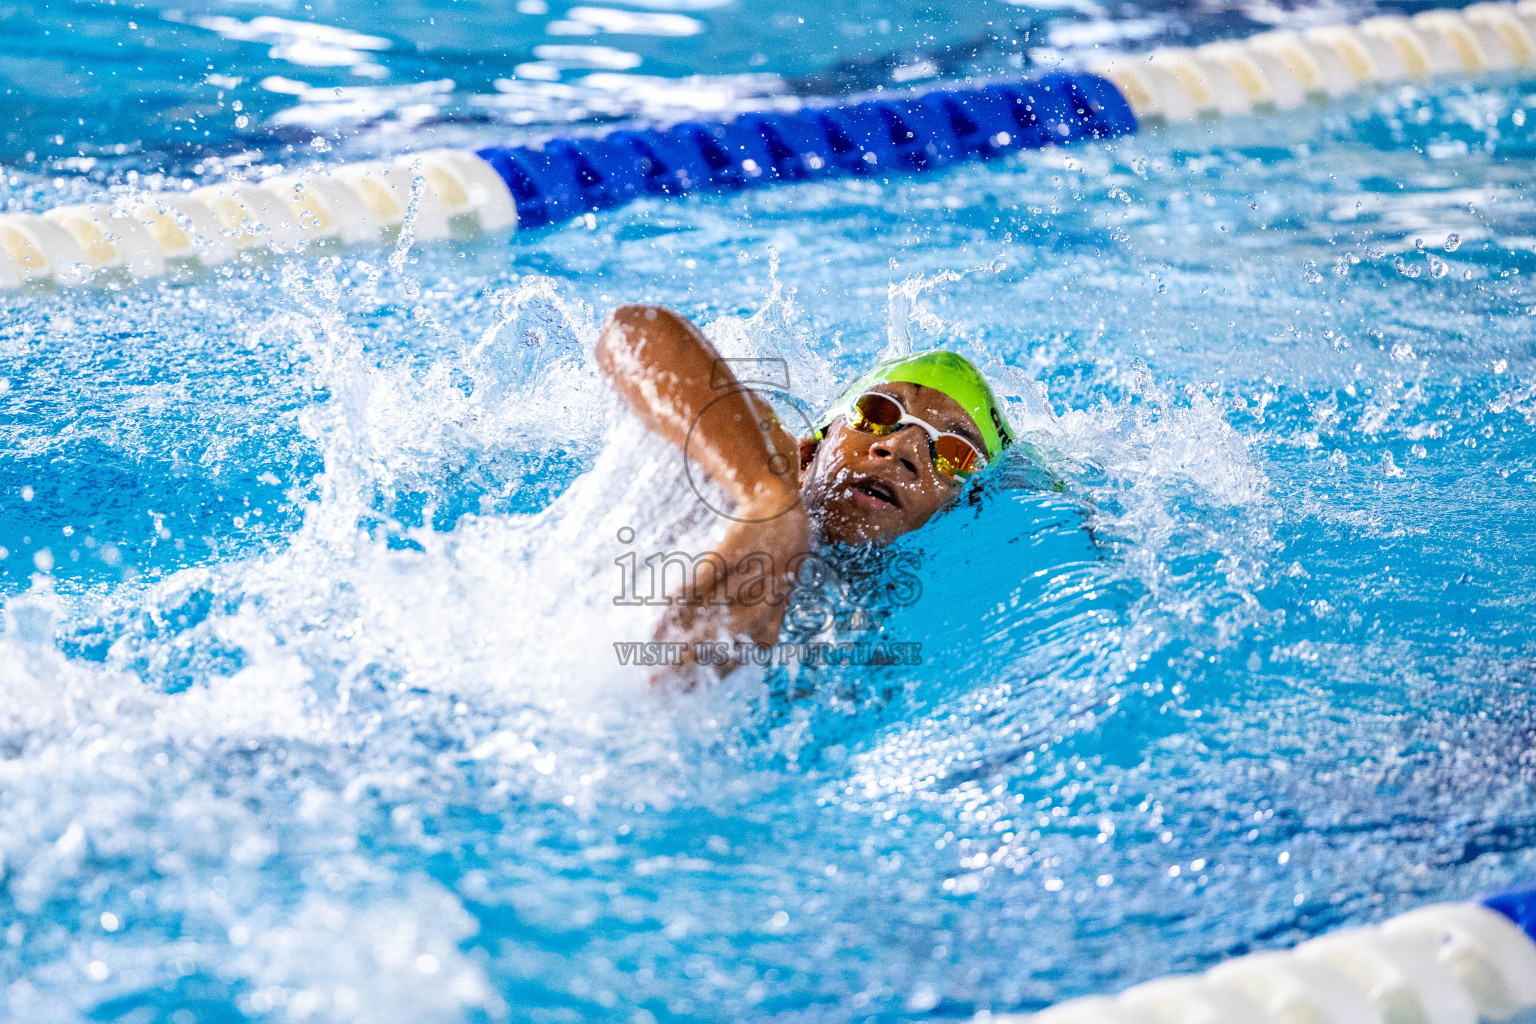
<point x="1437" y="266"/>
<point x="1452" y="242"/>
<point x="923" y="999"/>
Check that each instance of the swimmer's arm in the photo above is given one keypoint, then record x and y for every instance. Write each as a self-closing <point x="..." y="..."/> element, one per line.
<point x="668" y="373"/>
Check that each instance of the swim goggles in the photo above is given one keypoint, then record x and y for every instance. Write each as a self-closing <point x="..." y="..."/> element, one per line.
<point x="881" y="415"/>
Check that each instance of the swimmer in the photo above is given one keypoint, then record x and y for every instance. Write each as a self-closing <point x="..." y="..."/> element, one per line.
<point x="894" y="450"/>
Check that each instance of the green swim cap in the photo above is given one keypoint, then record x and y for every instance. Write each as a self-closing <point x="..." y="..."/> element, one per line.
<point x="944" y="371"/>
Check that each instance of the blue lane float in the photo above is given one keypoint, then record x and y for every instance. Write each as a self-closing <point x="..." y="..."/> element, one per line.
<point x="867" y="136"/>
<point x="1517" y="904"/>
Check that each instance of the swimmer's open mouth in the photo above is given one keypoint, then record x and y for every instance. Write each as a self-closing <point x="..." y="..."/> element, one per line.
<point x="878" y="489"/>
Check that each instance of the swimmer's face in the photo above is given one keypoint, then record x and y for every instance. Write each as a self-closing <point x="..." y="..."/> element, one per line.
<point x="867" y="489"/>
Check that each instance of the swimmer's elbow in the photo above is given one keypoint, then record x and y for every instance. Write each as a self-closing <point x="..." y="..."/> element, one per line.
<point x="637" y="315"/>
<point x="627" y="329"/>
<point x="631" y="311"/>
<point x="624" y="326"/>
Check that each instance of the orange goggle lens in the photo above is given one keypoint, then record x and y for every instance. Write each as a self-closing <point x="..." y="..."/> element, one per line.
<point x="877" y="414"/>
<point x="953" y="455"/>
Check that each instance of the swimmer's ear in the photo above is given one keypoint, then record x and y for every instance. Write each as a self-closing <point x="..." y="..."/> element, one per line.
<point x="808" y="447"/>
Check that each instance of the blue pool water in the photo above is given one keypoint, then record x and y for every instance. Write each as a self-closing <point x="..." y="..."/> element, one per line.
<point x="308" y="703"/>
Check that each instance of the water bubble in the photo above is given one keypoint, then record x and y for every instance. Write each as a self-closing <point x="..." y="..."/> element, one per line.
<point x="1401" y="266"/>
<point x="1437" y="266"/>
<point x="922" y="999"/>
<point x="1452" y="242"/>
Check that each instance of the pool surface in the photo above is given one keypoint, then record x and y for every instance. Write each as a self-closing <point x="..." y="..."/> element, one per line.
<point x="309" y="703"/>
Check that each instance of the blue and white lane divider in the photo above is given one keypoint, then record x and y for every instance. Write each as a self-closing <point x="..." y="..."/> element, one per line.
<point x="1451" y="963"/>
<point x="563" y="178"/>
<point x="451" y="192"/>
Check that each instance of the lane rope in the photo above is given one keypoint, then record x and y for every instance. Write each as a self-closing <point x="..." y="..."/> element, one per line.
<point x="1450" y="963"/>
<point x="453" y="193"/>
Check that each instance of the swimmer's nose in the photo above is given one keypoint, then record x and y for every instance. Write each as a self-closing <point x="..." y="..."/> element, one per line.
<point x="900" y="447"/>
